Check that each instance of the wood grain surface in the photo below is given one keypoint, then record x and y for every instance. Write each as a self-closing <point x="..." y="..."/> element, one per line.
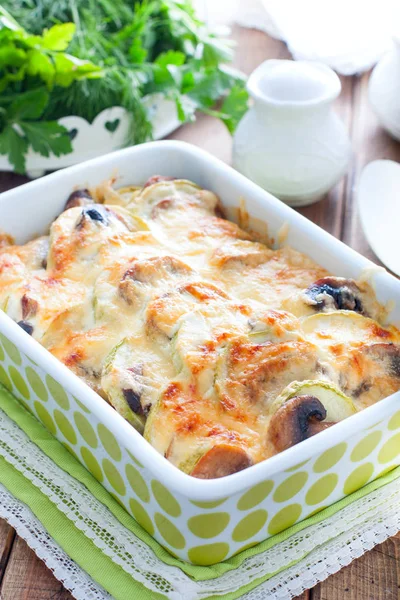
<point x="376" y="575"/>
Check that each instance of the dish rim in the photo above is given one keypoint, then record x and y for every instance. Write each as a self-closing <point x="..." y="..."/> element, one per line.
<point x="158" y="465"/>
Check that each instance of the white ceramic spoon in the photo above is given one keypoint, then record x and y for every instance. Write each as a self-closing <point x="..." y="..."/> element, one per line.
<point x="378" y="199"/>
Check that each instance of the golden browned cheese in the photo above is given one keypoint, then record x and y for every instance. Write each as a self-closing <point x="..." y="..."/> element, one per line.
<point x="192" y="329"/>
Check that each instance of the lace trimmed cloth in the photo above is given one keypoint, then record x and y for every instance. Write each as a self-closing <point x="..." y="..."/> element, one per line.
<point x="283" y="571"/>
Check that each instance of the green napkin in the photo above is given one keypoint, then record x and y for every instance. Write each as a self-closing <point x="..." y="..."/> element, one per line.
<point x="92" y="559"/>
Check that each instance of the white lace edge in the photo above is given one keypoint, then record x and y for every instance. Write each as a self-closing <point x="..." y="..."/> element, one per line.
<point x="280" y="587"/>
<point x="355" y="529"/>
<point x="29" y="528"/>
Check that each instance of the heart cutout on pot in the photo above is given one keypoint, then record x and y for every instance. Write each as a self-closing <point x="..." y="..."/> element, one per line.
<point x="111" y="126"/>
<point x="72" y="133"/>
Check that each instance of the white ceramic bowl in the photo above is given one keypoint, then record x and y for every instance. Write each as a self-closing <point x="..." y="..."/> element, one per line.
<point x="200" y="521"/>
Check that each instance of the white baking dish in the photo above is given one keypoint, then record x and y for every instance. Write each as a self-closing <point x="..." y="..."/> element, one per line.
<point x="198" y="520"/>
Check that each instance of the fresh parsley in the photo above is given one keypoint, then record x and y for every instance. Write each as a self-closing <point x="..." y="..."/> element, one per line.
<point x="70" y="57"/>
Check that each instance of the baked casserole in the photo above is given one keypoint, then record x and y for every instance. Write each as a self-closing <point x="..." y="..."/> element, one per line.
<point x="220" y="349"/>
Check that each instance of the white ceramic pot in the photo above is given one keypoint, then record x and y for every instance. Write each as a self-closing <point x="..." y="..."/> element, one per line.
<point x="107" y="132"/>
<point x="384" y="90"/>
<point x="291" y="142"/>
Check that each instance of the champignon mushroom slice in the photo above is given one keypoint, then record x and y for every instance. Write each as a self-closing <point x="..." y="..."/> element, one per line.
<point x="29" y="306"/>
<point x="79" y="198"/>
<point x="388" y="354"/>
<point x="153" y="271"/>
<point x="334" y="293"/>
<point x="371" y="372"/>
<point x="96" y="214"/>
<point x="296" y="420"/>
<point x="220" y="461"/>
<point x="26" y="327"/>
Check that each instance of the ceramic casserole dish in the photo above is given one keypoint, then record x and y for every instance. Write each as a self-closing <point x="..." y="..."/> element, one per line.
<point x="200" y="521"/>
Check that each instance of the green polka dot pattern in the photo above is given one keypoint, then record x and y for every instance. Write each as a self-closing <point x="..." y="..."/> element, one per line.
<point x="81" y="405"/>
<point x="45" y="418"/>
<point x="212" y="504"/>
<point x="209" y="525"/>
<point x="92" y="464"/>
<point x="137" y="483"/>
<point x="37" y="384"/>
<point x="169" y="532"/>
<point x="366" y="446"/>
<point x="201" y="531"/>
<point x="58" y="392"/>
<point x="135" y="460"/>
<point x="255" y="495"/>
<point x="19" y="382"/>
<point x="390" y="450"/>
<point x="394" y="422"/>
<point x="65" y="426"/>
<point x="209" y="554"/>
<point x="330" y="458"/>
<point x="285" y="518"/>
<point x="114" y="477"/>
<point x="141" y="516"/>
<point x="321" y="489"/>
<point x="85" y="429"/>
<point x="165" y="499"/>
<point x="250" y="525"/>
<point x="358" y="478"/>
<point x="11" y="350"/>
<point x="109" y="442"/>
<point x="290" y="487"/>
<point x="4" y="378"/>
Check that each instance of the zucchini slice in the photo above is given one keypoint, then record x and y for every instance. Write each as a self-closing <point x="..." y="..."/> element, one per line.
<point x="132" y="377"/>
<point x="338" y="406"/>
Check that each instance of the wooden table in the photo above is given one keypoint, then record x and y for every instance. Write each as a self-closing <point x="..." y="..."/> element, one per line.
<point x="375" y="576"/>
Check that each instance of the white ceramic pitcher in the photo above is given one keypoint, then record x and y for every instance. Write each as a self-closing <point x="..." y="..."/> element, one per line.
<point x="384" y="90"/>
<point x="291" y="142"/>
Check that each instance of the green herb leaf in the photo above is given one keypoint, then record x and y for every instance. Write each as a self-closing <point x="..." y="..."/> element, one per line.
<point x="234" y="107"/>
<point x="47" y="137"/>
<point x="68" y="68"/>
<point x="172" y="57"/>
<point x="137" y="53"/>
<point x="185" y="107"/>
<point x="58" y="37"/>
<point x="15" y="147"/>
<point x="29" y="105"/>
<point x="11" y="56"/>
<point x="41" y="65"/>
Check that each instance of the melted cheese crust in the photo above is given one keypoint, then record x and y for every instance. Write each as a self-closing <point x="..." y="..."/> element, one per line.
<point x="185" y="323"/>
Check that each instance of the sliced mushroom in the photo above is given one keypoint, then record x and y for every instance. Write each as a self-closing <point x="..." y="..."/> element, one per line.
<point x="29" y="306"/>
<point x="220" y="461"/>
<point x="388" y="355"/>
<point x="334" y="293"/>
<point x="154" y="271"/>
<point x="26" y="327"/>
<point x="79" y="198"/>
<point x="97" y="215"/>
<point x="296" y="420"/>
<point x="253" y="375"/>
<point x="132" y="377"/>
<point x="371" y="372"/>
